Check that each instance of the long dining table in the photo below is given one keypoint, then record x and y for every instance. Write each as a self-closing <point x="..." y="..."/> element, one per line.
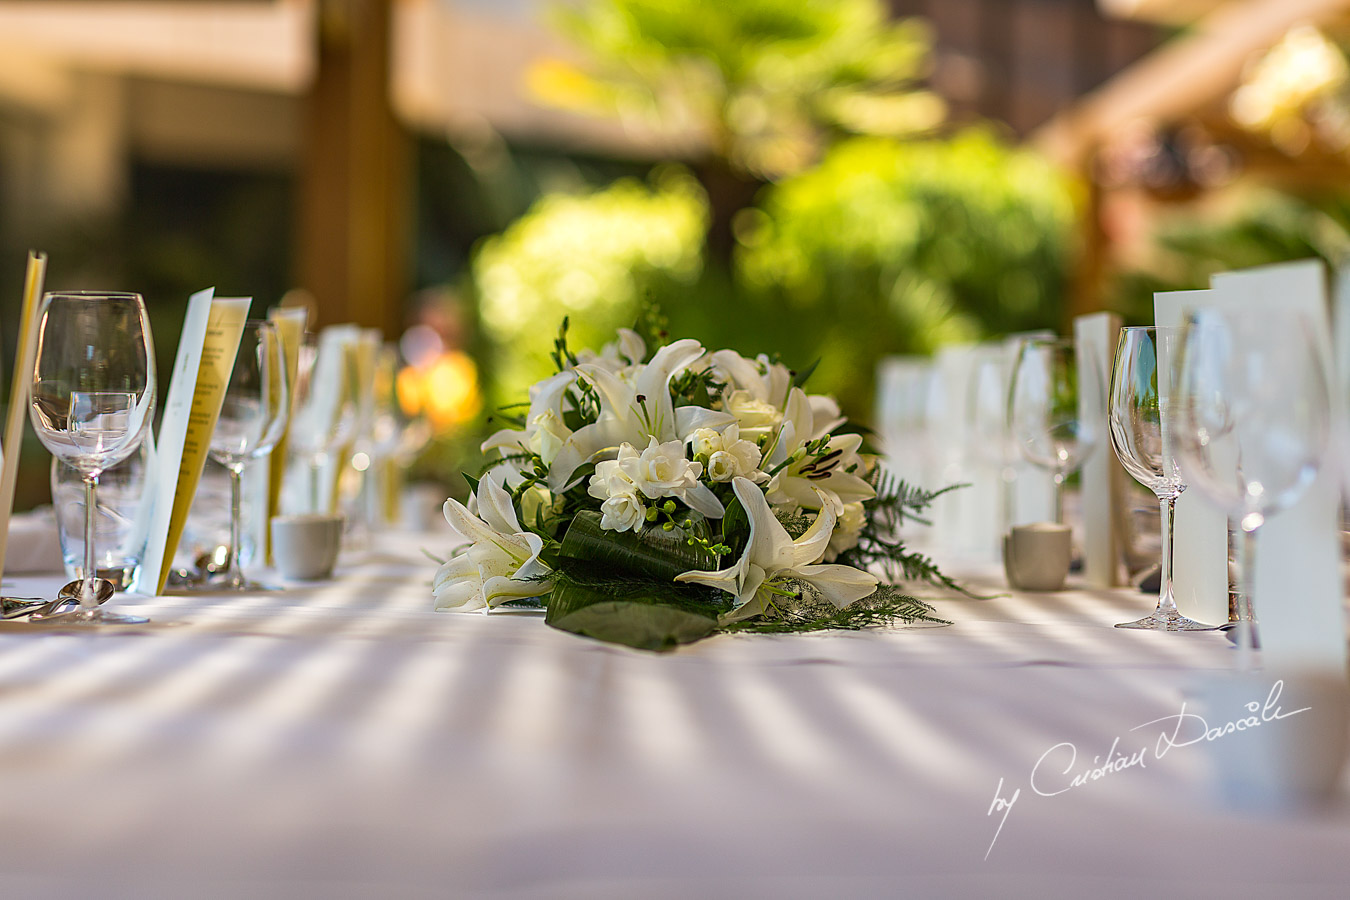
<point x="340" y="739"/>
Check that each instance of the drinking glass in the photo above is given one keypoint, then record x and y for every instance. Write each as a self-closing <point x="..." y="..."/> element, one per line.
<point x="92" y="399"/>
<point x="325" y="414"/>
<point x="123" y="504"/>
<point x="252" y="419"/>
<point x="1251" y="422"/>
<point x="1141" y="391"/>
<point x="1048" y="388"/>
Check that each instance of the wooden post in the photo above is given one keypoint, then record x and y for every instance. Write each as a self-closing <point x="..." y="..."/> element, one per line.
<point x="1089" y="272"/>
<point x="355" y="229"/>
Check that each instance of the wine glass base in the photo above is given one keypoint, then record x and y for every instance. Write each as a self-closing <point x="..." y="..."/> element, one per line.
<point x="222" y="584"/>
<point x="82" y="618"/>
<point x="1167" y="620"/>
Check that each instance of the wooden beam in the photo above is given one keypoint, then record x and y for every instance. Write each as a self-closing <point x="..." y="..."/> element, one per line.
<point x="355" y="204"/>
<point x="1182" y="76"/>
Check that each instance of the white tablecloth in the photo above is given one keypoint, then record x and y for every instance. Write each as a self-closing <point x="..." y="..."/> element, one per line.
<point x="342" y="740"/>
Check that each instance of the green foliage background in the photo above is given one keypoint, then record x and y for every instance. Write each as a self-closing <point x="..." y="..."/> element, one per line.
<point x="884" y="247"/>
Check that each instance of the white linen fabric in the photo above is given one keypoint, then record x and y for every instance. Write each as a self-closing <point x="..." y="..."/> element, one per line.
<point x="342" y="740"/>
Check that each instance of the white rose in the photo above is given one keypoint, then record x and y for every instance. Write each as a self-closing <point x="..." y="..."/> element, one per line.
<point x="755" y="417"/>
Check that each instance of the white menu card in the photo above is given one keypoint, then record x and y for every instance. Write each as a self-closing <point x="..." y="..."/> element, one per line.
<point x="1200" y="571"/>
<point x="1095" y="336"/>
<point x="1299" y="587"/>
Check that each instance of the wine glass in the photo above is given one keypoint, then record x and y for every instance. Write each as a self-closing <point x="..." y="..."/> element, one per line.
<point x="1141" y="391"/>
<point x="92" y="399"/>
<point x="1049" y="385"/>
<point x="1251" y="421"/>
<point x="252" y="418"/>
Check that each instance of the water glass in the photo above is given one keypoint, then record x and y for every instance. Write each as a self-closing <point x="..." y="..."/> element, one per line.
<point x="119" y="543"/>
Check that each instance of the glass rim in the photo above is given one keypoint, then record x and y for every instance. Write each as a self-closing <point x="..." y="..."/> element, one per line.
<point x="89" y="295"/>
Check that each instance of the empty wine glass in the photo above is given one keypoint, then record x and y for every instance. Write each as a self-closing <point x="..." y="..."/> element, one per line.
<point x="91" y="403"/>
<point x="1140" y="393"/>
<point x="1048" y="387"/>
<point x="252" y="419"/>
<point x="1251" y="422"/>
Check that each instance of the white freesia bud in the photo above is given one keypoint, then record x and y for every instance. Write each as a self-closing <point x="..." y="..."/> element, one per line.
<point x="722" y="466"/>
<point x="623" y="512"/>
<point x="706" y="442"/>
<point x="622" y="508"/>
<point x="728" y="455"/>
<point x="660" y="470"/>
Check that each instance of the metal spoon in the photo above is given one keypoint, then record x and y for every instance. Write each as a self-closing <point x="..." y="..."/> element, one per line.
<point x="70" y="594"/>
<point x="19" y="607"/>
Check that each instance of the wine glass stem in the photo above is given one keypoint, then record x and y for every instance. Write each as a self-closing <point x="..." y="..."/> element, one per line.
<point x="89" y="596"/>
<point x="1246" y="618"/>
<point x="234" y="571"/>
<point x="1059" y="498"/>
<point x="1166" y="600"/>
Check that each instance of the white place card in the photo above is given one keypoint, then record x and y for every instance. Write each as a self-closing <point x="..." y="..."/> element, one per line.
<point x="954" y="522"/>
<point x="201" y="372"/>
<point x="1200" y="570"/>
<point x="1095" y="336"/>
<point x="17" y="414"/>
<point x="1299" y="588"/>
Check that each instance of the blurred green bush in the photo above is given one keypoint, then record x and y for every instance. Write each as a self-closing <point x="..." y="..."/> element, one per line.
<point x="885" y="247"/>
<point x="593" y="257"/>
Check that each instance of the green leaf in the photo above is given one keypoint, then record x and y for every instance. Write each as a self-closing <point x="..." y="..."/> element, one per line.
<point x="651" y="552"/>
<point x="637" y="616"/>
<point x="800" y="379"/>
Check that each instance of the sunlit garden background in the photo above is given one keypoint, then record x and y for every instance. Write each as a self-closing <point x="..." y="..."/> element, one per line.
<point x="836" y="181"/>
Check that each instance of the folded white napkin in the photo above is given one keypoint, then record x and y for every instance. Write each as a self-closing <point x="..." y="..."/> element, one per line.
<point x="34" y="545"/>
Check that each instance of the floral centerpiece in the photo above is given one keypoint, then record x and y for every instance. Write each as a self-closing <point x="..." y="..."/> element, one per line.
<point x="655" y="498"/>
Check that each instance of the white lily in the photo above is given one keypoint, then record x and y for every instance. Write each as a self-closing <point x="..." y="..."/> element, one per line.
<point x="773" y="564"/>
<point x="500" y="560"/>
<point x="762" y="381"/>
<point x="625" y="351"/>
<point x="633" y="412"/>
<point x="544" y="432"/>
<point x="805" y="481"/>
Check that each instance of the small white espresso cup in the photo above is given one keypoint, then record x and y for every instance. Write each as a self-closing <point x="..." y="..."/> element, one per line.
<point x="1036" y="557"/>
<point x="305" y="547"/>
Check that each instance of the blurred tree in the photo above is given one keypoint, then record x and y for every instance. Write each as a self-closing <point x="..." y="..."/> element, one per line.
<point x="890" y="247"/>
<point x="761" y="88"/>
<point x="768" y="83"/>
